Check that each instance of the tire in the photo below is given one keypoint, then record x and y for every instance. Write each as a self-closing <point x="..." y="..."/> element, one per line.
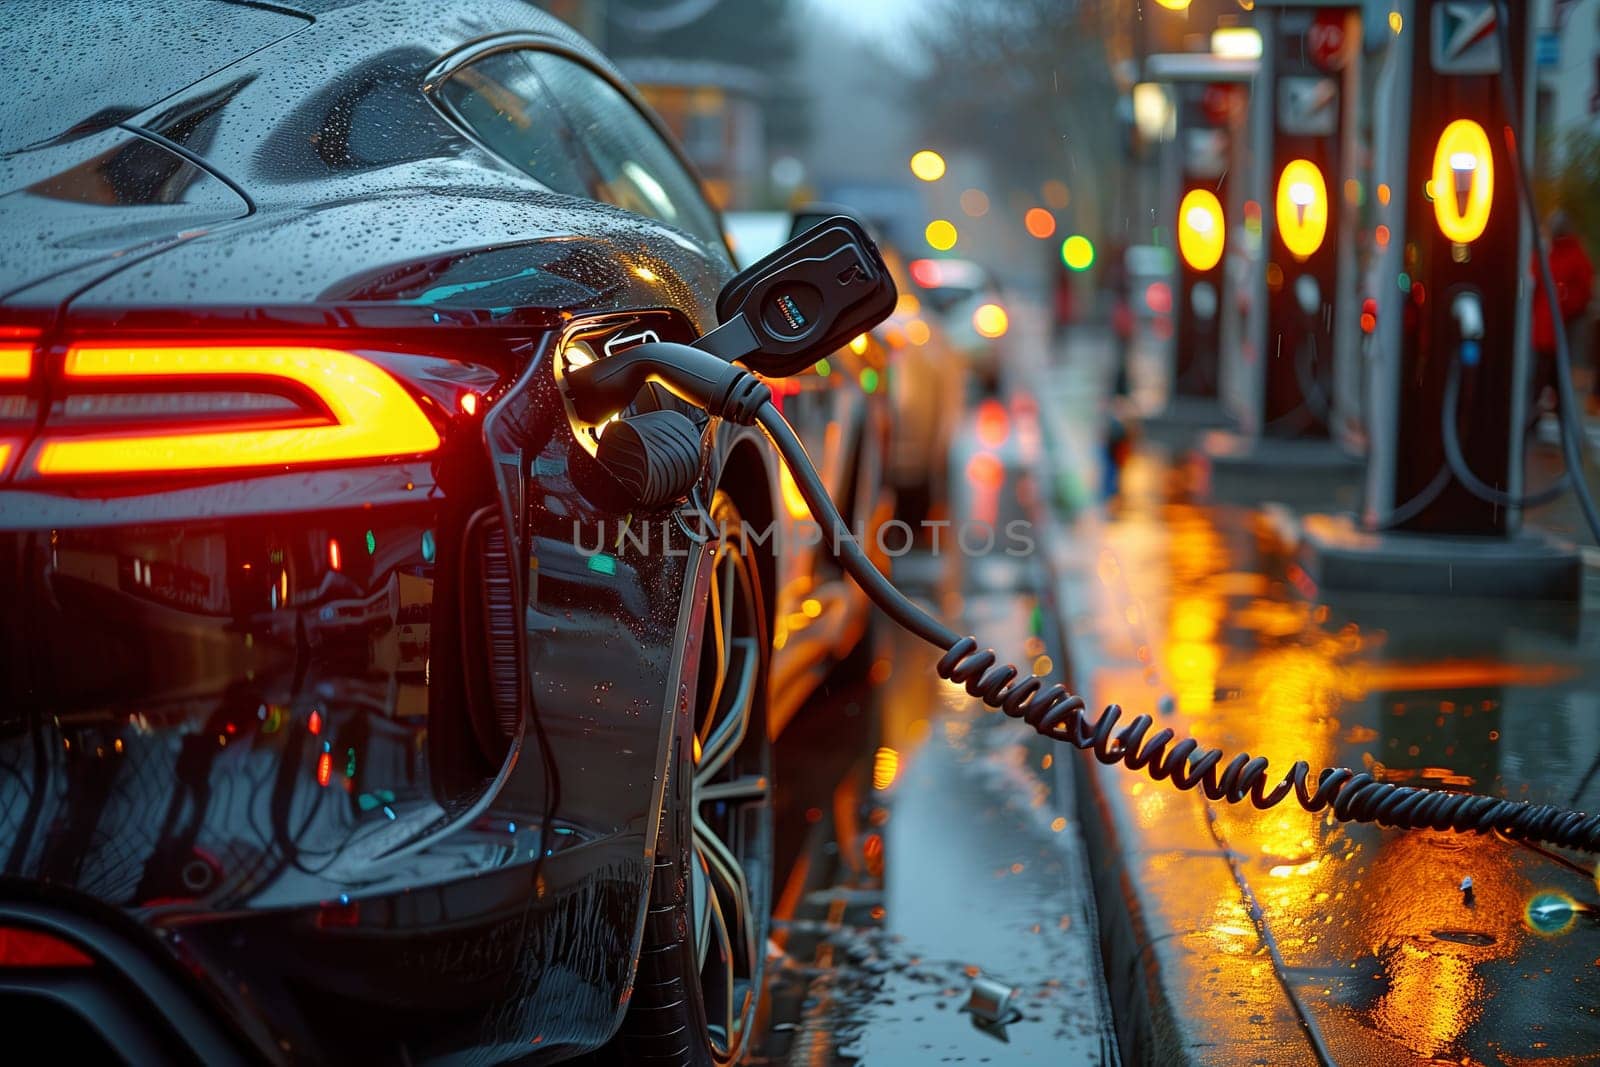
<point x="703" y="955"/>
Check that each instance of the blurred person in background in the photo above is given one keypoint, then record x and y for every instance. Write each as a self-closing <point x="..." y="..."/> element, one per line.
<point x="1574" y="280"/>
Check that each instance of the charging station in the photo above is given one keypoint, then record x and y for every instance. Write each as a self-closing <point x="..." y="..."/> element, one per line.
<point x="1209" y="91"/>
<point x="1447" y="313"/>
<point x="1293" y="284"/>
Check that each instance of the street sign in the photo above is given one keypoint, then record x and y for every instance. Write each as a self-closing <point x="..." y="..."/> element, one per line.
<point x="1464" y="39"/>
<point x="1308" y="105"/>
<point x="1325" y="40"/>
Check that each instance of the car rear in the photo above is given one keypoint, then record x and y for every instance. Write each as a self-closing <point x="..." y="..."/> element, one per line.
<point x="257" y="632"/>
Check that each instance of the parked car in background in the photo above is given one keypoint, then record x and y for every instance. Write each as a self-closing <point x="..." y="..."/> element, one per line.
<point x="970" y="305"/>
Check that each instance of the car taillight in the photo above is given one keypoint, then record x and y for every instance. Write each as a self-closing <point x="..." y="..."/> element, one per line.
<point x="158" y="409"/>
<point x="16" y="407"/>
<point x="21" y="947"/>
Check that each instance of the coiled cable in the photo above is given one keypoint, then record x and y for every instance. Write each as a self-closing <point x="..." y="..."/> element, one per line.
<point x="1055" y="712"/>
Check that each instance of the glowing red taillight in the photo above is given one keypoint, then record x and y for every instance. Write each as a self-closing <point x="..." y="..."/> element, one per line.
<point x="158" y="409"/>
<point x="16" y="407"/>
<point x="21" y="947"/>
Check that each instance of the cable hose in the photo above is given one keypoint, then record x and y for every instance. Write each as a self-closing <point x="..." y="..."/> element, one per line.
<point x="1463" y="471"/>
<point x="1572" y="450"/>
<point x="1061" y="715"/>
<point x="1314" y="393"/>
<point x="1314" y="406"/>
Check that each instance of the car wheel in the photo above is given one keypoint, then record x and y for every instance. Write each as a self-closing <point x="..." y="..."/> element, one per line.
<point x="705" y="942"/>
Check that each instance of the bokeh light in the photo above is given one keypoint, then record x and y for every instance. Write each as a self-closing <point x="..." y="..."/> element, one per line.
<point x="928" y="165"/>
<point x="975" y="202"/>
<point x="1056" y="195"/>
<point x="1551" y="914"/>
<point x="991" y="321"/>
<point x="1039" y="223"/>
<point x="1077" y="252"/>
<point x="941" y="234"/>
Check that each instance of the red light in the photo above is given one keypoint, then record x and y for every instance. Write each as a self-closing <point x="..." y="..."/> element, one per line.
<point x="339" y="916"/>
<point x="324" y="768"/>
<point x="335" y="556"/>
<point x="1418" y="293"/>
<point x="994" y="425"/>
<point x="985" y="470"/>
<point x="1159" y="296"/>
<point x="469" y="403"/>
<point x="372" y="416"/>
<point x="314" y="724"/>
<point x="31" y="948"/>
<point x="925" y="272"/>
<point x="1369" y="315"/>
<point x="1381" y="235"/>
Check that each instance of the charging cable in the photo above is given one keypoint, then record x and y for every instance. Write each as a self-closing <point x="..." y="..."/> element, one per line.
<point x="730" y="392"/>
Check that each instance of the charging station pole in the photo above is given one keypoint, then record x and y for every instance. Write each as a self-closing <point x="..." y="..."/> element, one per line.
<point x="1449" y="314"/>
<point x="1298" y="118"/>
<point x="1207" y="88"/>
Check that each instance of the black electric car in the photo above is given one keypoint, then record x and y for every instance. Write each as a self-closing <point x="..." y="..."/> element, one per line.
<point x="348" y="712"/>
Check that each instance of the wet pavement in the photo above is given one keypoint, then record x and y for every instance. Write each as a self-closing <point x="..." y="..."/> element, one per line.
<point x="935" y="846"/>
<point x="1233" y="936"/>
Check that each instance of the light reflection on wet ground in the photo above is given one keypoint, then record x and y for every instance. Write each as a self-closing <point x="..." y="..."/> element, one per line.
<point x="963" y="870"/>
<point x="941" y="857"/>
<point x="1195" y="613"/>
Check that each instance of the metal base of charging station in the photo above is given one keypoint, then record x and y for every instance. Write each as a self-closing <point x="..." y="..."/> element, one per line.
<point x="1304" y="473"/>
<point x="1182" y="420"/>
<point x="1225" y="452"/>
<point x="1340" y="556"/>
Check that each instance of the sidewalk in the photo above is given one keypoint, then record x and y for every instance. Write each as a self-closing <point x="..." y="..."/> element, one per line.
<point x="1235" y="936"/>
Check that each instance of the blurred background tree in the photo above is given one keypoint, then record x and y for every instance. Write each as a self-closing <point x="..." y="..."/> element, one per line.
<point x="1570" y="180"/>
<point x="1046" y="59"/>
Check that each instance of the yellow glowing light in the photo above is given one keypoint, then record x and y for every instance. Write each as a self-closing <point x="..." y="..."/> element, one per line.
<point x="1236" y="42"/>
<point x="941" y="234"/>
<point x="917" y="332"/>
<point x="858" y="344"/>
<point x="645" y="274"/>
<point x="928" y="165"/>
<point x="1383" y="194"/>
<point x="1463" y="181"/>
<point x="1200" y="232"/>
<point x="1174" y="5"/>
<point x="885" y="768"/>
<point x="1302" y="207"/>
<point x="1396" y="23"/>
<point x="371" y="414"/>
<point x="16" y="361"/>
<point x="1077" y="252"/>
<point x="991" y="321"/>
<point x="812" y="607"/>
<point x="793" y="502"/>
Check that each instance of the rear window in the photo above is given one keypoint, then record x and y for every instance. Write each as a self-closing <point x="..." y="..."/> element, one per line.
<point x="79" y="67"/>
